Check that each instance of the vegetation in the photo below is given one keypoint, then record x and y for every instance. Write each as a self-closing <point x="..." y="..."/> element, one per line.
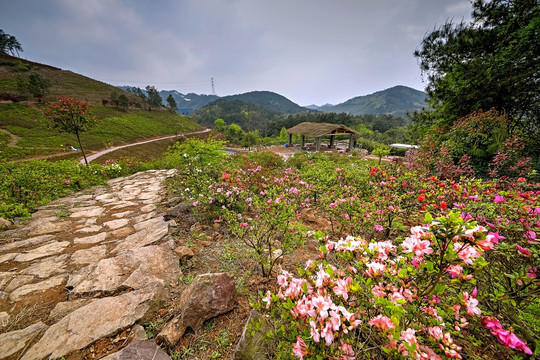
<point x="9" y="44"/>
<point x="70" y="116"/>
<point x="491" y="63"/>
<point x="408" y="261"/>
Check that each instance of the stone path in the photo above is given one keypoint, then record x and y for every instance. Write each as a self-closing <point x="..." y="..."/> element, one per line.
<point x="86" y="266"/>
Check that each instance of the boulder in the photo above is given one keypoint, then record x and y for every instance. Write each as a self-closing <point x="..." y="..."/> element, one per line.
<point x="208" y="296"/>
<point x="101" y="318"/>
<point x="140" y="350"/>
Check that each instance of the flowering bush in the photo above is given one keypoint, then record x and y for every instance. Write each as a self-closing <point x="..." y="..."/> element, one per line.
<point x="404" y="299"/>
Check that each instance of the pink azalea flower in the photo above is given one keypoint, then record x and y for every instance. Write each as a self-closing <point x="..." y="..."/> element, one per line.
<point x="267" y="299"/>
<point x="328" y="334"/>
<point x="471" y="303"/>
<point x="435" y="332"/>
<point x="524" y="251"/>
<point x="299" y="348"/>
<point x="409" y="336"/>
<point x="498" y="199"/>
<point x="379" y="228"/>
<point x="196" y="203"/>
<point x="505" y="337"/>
<point x="341" y="288"/>
<point x="314" y="331"/>
<point x="382" y="322"/>
<point x="375" y="269"/>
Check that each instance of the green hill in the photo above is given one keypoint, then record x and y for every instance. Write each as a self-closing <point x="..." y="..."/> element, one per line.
<point x="270" y="101"/>
<point x="24" y="133"/>
<point x="396" y="101"/>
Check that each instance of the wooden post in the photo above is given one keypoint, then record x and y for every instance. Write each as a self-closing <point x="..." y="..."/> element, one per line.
<point x="331" y="141"/>
<point x="350" y="142"/>
<point x="303" y="142"/>
<point x="290" y="140"/>
<point x="318" y="144"/>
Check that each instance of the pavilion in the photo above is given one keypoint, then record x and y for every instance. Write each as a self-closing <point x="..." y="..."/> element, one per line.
<point x="319" y="130"/>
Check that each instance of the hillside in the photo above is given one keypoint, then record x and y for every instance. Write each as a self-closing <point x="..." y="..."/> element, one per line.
<point x="249" y="116"/>
<point x="25" y="134"/>
<point x="396" y="101"/>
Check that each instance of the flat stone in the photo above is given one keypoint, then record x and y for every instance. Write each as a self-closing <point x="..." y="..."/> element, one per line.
<point x="89" y="229"/>
<point x="88" y="256"/>
<point x="14" y="341"/>
<point x="52" y="248"/>
<point x="64" y="308"/>
<point x="104" y="197"/>
<point x="4" y="319"/>
<point x="149" y="223"/>
<point x="92" y="239"/>
<point x="47" y="227"/>
<point x="184" y="252"/>
<point x="143" y="217"/>
<point x="88" y="212"/>
<point x="38" y="287"/>
<point x="8" y="257"/>
<point x="18" y="281"/>
<point x="140" y="350"/>
<point x="5" y="278"/>
<point x="47" y="267"/>
<point x="116" y="224"/>
<point x="4" y="224"/>
<point x="101" y="318"/>
<point x="148" y="208"/>
<point x="123" y="232"/>
<point x="150" y="234"/>
<point x="28" y="242"/>
<point x="122" y="204"/>
<point x="132" y="269"/>
<point x="138" y="332"/>
<point x="123" y="214"/>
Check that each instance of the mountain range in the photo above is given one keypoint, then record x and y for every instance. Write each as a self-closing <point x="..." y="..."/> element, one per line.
<point x="396" y="101"/>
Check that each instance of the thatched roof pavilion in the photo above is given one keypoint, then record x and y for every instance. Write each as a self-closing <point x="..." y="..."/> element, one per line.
<point x="318" y="130"/>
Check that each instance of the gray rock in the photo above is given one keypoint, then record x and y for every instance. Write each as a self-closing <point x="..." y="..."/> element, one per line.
<point x="252" y="345"/>
<point x="92" y="239"/>
<point x="88" y="212"/>
<point x="101" y="318"/>
<point x="208" y="296"/>
<point x="47" y="267"/>
<point x="14" y="341"/>
<point x="65" y="307"/>
<point x="45" y="226"/>
<point x="53" y="248"/>
<point x="116" y="224"/>
<point x="37" y="287"/>
<point x="88" y="256"/>
<point x="132" y="269"/>
<point x="146" y="236"/>
<point x="138" y="333"/>
<point x="140" y="350"/>
<point x="28" y="242"/>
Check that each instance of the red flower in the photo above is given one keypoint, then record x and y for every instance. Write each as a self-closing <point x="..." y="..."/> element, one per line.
<point x="421" y="197"/>
<point x="443" y="205"/>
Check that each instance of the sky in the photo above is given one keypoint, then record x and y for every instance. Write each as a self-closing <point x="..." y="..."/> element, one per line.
<point x="310" y="51"/>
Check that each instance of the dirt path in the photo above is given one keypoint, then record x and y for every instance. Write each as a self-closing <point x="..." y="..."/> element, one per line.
<point x="93" y="157"/>
<point x="14" y="138"/>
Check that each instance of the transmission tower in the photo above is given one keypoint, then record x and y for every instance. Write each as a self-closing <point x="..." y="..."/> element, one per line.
<point x="213" y="88"/>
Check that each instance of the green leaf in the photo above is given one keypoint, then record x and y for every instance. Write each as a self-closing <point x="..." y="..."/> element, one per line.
<point x="428" y="218"/>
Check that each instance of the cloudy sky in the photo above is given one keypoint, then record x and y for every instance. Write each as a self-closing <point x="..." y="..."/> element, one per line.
<point x="311" y="51"/>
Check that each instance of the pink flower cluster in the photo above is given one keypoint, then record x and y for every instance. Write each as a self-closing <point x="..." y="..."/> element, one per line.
<point x="505" y="337"/>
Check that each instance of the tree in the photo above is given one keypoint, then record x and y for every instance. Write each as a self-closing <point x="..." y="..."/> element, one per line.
<point x="251" y="138"/>
<point x="491" y="62"/>
<point x="9" y="44"/>
<point x="70" y="116"/>
<point x="37" y="85"/>
<point x="114" y="99"/>
<point x="171" y="102"/>
<point x="123" y="102"/>
<point x="234" y="133"/>
<point x="154" y="99"/>
<point x="220" y="125"/>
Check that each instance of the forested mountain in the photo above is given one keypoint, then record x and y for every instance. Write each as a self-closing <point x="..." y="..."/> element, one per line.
<point x="396" y="101"/>
<point x="270" y="101"/>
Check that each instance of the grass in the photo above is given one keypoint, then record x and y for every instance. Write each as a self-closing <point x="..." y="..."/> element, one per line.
<point x="116" y="127"/>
